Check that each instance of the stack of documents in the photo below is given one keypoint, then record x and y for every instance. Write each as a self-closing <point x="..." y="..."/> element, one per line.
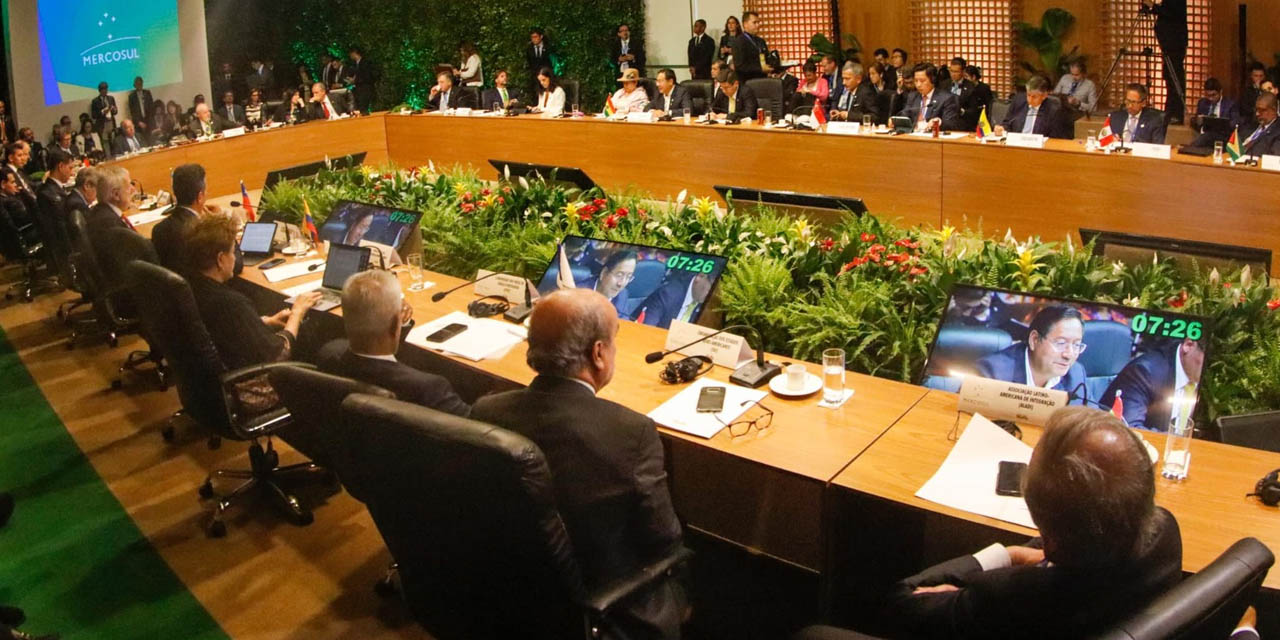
<point x="681" y="411"/>
<point x="484" y="339"/>
<point x="967" y="478"/>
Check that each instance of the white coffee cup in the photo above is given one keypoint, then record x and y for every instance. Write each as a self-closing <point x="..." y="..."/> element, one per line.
<point x="795" y="377"/>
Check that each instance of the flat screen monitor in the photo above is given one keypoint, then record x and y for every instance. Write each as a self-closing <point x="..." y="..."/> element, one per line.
<point x="312" y="168"/>
<point x="746" y="195"/>
<point x="568" y="175"/>
<point x="383" y="228"/>
<point x="1094" y="351"/>
<point x="257" y="237"/>
<point x="1133" y="248"/>
<point x="649" y="285"/>
<point x="343" y="262"/>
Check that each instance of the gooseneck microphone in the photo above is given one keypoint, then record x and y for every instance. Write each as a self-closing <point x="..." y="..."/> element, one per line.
<point x="753" y="374"/>
<point x="439" y="295"/>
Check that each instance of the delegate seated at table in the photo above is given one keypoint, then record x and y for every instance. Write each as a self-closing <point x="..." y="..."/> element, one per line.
<point x="672" y="99"/>
<point x="550" y="95"/>
<point x="1149" y="382"/>
<point x="1136" y="121"/>
<point x="929" y="105"/>
<point x="631" y="98"/>
<point x="735" y="100"/>
<point x="1047" y="359"/>
<point x="1035" y="112"/>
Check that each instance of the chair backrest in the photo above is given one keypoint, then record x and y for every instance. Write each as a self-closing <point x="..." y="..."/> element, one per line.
<point x="963" y="346"/>
<point x="169" y="315"/>
<point x="1254" y="430"/>
<point x="1205" y="605"/>
<point x="769" y="94"/>
<point x="1110" y="349"/>
<point x="699" y="94"/>
<point x="468" y="512"/>
<point x="999" y="109"/>
<point x="571" y="92"/>
<point x="650" y="87"/>
<point x="315" y="400"/>
<point x="118" y="247"/>
<point x="82" y="257"/>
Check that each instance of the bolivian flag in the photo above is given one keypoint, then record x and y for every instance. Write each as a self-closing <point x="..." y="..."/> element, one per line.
<point x="609" y="109"/>
<point x="1233" y="145"/>
<point x="984" y="125"/>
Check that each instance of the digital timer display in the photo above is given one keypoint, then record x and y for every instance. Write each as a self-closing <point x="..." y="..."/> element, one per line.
<point x="1154" y="325"/>
<point x="402" y="217"/>
<point x="696" y="265"/>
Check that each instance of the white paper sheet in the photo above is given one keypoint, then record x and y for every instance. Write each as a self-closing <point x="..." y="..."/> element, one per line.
<point x="681" y="411"/>
<point x="967" y="478"/>
<point x="147" y="217"/>
<point x="294" y="270"/>
<point x="483" y="339"/>
<point x="294" y="291"/>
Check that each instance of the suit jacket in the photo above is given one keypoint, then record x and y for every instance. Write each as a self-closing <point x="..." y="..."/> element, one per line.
<point x="120" y="145"/>
<point x="702" y="51"/>
<point x="491" y="96"/>
<point x="536" y="61"/>
<point x="50" y="203"/>
<point x="1038" y="601"/>
<point x="101" y="218"/>
<point x="457" y="98"/>
<point x="235" y="119"/>
<point x="865" y="100"/>
<point x="141" y="111"/>
<point x="1226" y="110"/>
<point x="169" y="239"/>
<point x="941" y="105"/>
<point x="1151" y="125"/>
<point x="664" y="304"/>
<point x="966" y="88"/>
<point x="1009" y="365"/>
<point x="74" y="202"/>
<point x="363" y="74"/>
<point x="1267" y="143"/>
<point x="216" y="125"/>
<point x="747" y="50"/>
<point x="1051" y="119"/>
<point x="680" y="100"/>
<point x="635" y="48"/>
<point x="409" y="384"/>
<point x="745" y="103"/>
<point x="610" y="486"/>
<point x="1146" y="384"/>
<point x="262" y="80"/>
<point x="223" y="84"/>
<point x="898" y="102"/>
<point x="331" y="75"/>
<point x="97" y="106"/>
<point x="315" y="111"/>
<point x="974" y="102"/>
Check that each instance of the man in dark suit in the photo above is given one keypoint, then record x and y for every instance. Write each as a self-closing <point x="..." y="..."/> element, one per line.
<point x="930" y="105"/>
<point x="374" y="313"/>
<point x="169" y="235"/>
<point x="735" y="100"/>
<point x="1149" y="382"/>
<point x="750" y="49"/>
<point x="1035" y="112"/>
<point x="261" y="78"/>
<point x="702" y="50"/>
<point x="955" y="83"/>
<point x="681" y="296"/>
<point x="1264" y="137"/>
<point x="536" y="56"/>
<point x="141" y="105"/>
<point x="38" y="160"/>
<point x="1105" y="549"/>
<point x="103" y="110"/>
<point x="1048" y="359"/>
<point x="444" y="95"/>
<point x="905" y="93"/>
<point x="333" y="73"/>
<point x="977" y="100"/>
<point x="1136" y="121"/>
<point x="854" y="98"/>
<point x="81" y="196"/>
<point x="128" y="140"/>
<point x="610" y="483"/>
<point x="322" y="106"/>
<point x="227" y="80"/>
<point x="671" y="98"/>
<point x="501" y="93"/>
<point x="51" y="198"/>
<point x="1257" y="74"/>
<point x="115" y="190"/>
<point x="1171" y="33"/>
<point x="625" y="52"/>
<point x="1214" y="104"/>
<point x="363" y="76"/>
<point x="231" y="113"/>
<point x="204" y="122"/>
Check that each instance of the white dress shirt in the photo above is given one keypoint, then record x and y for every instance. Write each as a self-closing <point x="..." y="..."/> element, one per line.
<point x="551" y="103"/>
<point x="1031" y="382"/>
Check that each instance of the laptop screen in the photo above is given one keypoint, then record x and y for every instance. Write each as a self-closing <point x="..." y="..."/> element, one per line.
<point x="343" y="262"/>
<point x="257" y="237"/>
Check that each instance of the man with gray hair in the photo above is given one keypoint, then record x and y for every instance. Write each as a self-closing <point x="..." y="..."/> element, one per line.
<point x="374" y="313"/>
<point x="610" y="482"/>
<point x="1105" y="549"/>
<point x="115" y="192"/>
<point x="852" y="98"/>
<point x="83" y="195"/>
<point x="1036" y="112"/>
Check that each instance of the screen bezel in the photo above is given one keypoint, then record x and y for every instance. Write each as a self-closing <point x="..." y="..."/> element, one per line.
<point x="306" y="169"/>
<point x="270" y="242"/>
<point x="1206" y="322"/>
<point x="365" y="253"/>
<point x="714" y="285"/>
<point x="416" y="222"/>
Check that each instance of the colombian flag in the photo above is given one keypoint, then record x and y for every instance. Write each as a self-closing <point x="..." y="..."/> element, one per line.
<point x="984" y="125"/>
<point x="1233" y="145"/>
<point x="308" y="223"/>
<point x="248" y="206"/>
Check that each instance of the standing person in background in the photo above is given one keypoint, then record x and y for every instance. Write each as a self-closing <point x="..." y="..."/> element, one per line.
<point x="980" y="98"/>
<point x="749" y="50"/>
<point x="732" y="29"/>
<point x="702" y="50"/>
<point x="1171" y="33"/>
<point x="332" y="72"/>
<point x="537" y="56"/>
<point x="8" y="130"/>
<point x="470" y="74"/>
<point x="363" y="76"/>
<point x="141" y="106"/>
<point x="261" y="76"/>
<point x="625" y="52"/>
<point x="104" y="111"/>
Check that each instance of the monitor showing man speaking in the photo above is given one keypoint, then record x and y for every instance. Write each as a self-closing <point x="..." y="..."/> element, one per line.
<point x="1143" y="365"/>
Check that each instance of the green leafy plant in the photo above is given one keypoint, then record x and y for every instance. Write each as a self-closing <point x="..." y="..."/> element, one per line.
<point x="822" y="46"/>
<point x="1046" y="40"/>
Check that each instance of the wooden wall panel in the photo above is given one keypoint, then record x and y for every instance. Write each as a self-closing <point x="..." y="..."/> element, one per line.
<point x="877" y="24"/>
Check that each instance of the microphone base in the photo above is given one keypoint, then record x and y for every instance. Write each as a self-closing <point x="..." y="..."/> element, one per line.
<point x="755" y="375"/>
<point x="517" y="314"/>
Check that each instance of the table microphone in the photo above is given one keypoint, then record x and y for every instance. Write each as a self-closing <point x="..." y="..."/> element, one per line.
<point x="753" y="374"/>
<point x="439" y="295"/>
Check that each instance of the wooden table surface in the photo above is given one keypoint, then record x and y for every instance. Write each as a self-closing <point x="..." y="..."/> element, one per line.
<point x="1210" y="504"/>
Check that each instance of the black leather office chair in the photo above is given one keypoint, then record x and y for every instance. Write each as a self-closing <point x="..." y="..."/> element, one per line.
<point x="468" y="512"/>
<point x="650" y="87"/>
<point x="769" y="95"/>
<point x="1205" y="605"/>
<point x="119" y="248"/>
<point x="1254" y="430"/>
<point x="699" y="94"/>
<point x="20" y="243"/>
<point x="208" y="393"/>
<point x="108" y="318"/>
<point x="571" y="93"/>
<point x="823" y="632"/>
<point x="1110" y="349"/>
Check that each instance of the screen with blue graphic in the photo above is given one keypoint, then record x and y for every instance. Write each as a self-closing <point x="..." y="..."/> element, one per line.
<point x="84" y="42"/>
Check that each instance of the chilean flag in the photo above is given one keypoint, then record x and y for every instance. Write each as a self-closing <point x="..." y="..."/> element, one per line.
<point x="1106" y="137"/>
<point x="248" y="206"/>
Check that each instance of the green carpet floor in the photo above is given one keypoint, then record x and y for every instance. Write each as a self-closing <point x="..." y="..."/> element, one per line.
<point x="71" y="556"/>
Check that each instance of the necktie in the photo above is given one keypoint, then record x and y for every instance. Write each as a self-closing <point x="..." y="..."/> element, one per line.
<point x="537" y="51"/>
<point x="444" y="100"/>
<point x="1074" y="84"/>
<point x="732" y="103"/>
<point x="924" y="106"/>
<point x="127" y="224"/>
<point x="1254" y="136"/>
<point x="1030" y="125"/>
<point x="844" y="100"/>
<point x="687" y="312"/>
<point x="133" y="144"/>
<point x="503" y="92"/>
<point x="231" y="113"/>
<point x="1131" y="128"/>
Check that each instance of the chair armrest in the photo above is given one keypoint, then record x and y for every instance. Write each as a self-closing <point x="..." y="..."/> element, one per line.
<point x="261" y="424"/>
<point x="599" y="601"/>
<point x="231" y="378"/>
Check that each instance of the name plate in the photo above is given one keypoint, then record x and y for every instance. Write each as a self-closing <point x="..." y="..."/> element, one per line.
<point x="726" y="349"/>
<point x="640" y="116"/>
<point x="505" y="285"/>
<point x="1270" y="163"/>
<point x="1009" y="401"/>
<point x="1148" y="150"/>
<point x="231" y="133"/>
<point x="1025" y="140"/>
<point x="844" y="128"/>
<point x="462" y="111"/>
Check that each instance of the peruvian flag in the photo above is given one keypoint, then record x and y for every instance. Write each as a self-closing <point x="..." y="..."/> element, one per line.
<point x="1106" y="137"/>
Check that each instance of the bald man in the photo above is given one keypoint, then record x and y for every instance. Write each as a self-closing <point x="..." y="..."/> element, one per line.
<point x="606" y="459"/>
<point x="1105" y="548"/>
<point x="205" y="124"/>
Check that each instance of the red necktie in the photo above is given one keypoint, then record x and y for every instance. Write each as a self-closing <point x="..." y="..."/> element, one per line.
<point x="127" y="223"/>
<point x="325" y="105"/>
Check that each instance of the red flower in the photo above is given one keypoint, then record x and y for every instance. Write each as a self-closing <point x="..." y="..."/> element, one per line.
<point x="482" y="204"/>
<point x="506" y="189"/>
<point x="897" y="258"/>
<point x="874" y="257"/>
<point x="856" y="262"/>
<point x="467" y="207"/>
<point x="610" y="222"/>
<point x="642" y="213"/>
<point x="502" y="200"/>
<point x="377" y="187"/>
<point x="1273" y="304"/>
<point x="621" y="212"/>
<point x="466" y="197"/>
<point x="1178" y="300"/>
<point x="386" y="176"/>
<point x="907" y="243"/>
<point x="485" y="192"/>
<point x="875" y="249"/>
<point x="916" y="271"/>
<point x="599" y="202"/>
<point x="867" y="237"/>
<point x="827" y="244"/>
<point x="1226" y="285"/>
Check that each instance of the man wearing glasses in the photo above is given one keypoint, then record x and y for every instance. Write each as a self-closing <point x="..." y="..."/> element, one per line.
<point x="1047" y="359"/>
<point x="1136" y="121"/>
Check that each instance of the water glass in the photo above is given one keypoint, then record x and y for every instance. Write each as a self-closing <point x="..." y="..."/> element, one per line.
<point x="415" y="272"/>
<point x="1177" y="445"/>
<point x="833" y="375"/>
<point x="1091" y="144"/>
<point x="866" y="122"/>
<point x="1217" y="152"/>
<point x="573" y="110"/>
<point x="688" y="116"/>
<point x="497" y="107"/>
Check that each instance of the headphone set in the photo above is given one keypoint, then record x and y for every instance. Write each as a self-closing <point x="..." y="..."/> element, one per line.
<point x="686" y="370"/>
<point x="481" y="309"/>
<point x="1268" y="489"/>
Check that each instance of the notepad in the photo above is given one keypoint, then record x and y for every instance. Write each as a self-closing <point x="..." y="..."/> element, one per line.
<point x="681" y="411"/>
<point x="295" y="270"/>
<point x="967" y="478"/>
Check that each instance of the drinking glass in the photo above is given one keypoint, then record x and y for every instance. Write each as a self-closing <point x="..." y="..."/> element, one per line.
<point x="497" y="107"/>
<point x="688" y="116"/>
<point x="1091" y="144"/>
<point x="866" y="122"/>
<point x="415" y="272"/>
<point x="573" y="110"/>
<point x="1217" y="152"/>
<point x="833" y="375"/>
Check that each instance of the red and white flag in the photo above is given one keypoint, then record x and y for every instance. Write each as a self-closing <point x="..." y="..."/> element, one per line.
<point x="1106" y="137"/>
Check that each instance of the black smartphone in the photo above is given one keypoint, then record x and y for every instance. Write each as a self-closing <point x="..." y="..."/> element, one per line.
<point x="447" y="332"/>
<point x="711" y="400"/>
<point x="274" y="262"/>
<point x="1009" y="479"/>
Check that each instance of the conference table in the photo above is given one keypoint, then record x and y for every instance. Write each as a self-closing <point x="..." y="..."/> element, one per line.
<point x="776" y="495"/>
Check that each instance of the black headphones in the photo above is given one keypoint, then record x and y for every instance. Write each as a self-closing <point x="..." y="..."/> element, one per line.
<point x="1268" y="489"/>
<point x="481" y="309"/>
<point x="686" y="370"/>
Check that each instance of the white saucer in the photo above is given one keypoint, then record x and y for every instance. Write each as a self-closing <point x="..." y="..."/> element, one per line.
<point x="778" y="384"/>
